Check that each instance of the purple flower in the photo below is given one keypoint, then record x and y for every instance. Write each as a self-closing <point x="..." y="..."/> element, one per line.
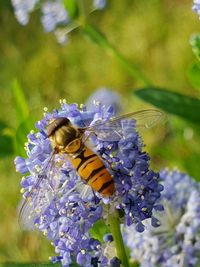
<point x="64" y="208"/>
<point x="21" y="165"/>
<point x="99" y="4"/>
<point x="196" y="6"/>
<point x="115" y="262"/>
<point x="106" y="96"/>
<point x="54" y="14"/>
<point x="177" y="241"/>
<point x="22" y="9"/>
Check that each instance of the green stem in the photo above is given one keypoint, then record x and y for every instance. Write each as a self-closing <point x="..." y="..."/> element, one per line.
<point x="114" y="224"/>
<point x="102" y="41"/>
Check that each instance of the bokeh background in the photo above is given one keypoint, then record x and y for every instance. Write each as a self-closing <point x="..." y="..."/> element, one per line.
<point x="36" y="71"/>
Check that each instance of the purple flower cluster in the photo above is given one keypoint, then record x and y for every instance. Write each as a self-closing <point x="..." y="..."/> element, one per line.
<point x="67" y="214"/>
<point x="22" y="9"/>
<point x="54" y="14"/>
<point x="54" y="18"/>
<point x="196" y="7"/>
<point x="177" y="241"/>
<point x="106" y="96"/>
<point x="99" y="4"/>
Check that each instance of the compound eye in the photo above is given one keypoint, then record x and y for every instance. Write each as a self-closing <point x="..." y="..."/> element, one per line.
<point x="73" y="146"/>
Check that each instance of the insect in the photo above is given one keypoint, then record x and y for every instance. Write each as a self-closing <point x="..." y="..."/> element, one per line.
<point x="67" y="139"/>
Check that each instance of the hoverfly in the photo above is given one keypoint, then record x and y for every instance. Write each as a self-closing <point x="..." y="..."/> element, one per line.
<point x="67" y="139"/>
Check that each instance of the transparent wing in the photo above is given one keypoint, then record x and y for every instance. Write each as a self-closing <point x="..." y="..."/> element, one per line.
<point x="112" y="129"/>
<point x="40" y="196"/>
<point x="33" y="205"/>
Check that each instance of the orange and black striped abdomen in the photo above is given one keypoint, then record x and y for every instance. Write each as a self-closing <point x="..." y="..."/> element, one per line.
<point x="92" y="170"/>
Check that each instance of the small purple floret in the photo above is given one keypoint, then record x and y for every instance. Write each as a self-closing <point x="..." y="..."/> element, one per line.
<point x="115" y="262"/>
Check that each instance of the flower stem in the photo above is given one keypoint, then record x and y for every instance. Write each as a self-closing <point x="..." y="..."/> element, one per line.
<point x="113" y="220"/>
<point x="102" y="41"/>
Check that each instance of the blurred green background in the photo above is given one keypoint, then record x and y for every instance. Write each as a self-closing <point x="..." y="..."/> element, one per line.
<point x="151" y="33"/>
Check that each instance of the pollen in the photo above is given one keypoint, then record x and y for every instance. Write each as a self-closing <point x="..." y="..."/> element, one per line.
<point x="144" y="209"/>
<point x="61" y="234"/>
<point x="37" y="135"/>
<point x="63" y="211"/>
<point x="113" y="164"/>
<point x="22" y="190"/>
<point x="96" y="103"/>
<point x="37" y="168"/>
<point x="38" y="210"/>
<point x="63" y="101"/>
<point x="45" y="232"/>
<point x="83" y="251"/>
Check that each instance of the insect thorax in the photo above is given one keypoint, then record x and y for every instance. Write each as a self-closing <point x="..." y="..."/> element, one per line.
<point x="63" y="136"/>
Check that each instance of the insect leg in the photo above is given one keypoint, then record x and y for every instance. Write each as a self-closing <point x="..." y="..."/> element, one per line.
<point x="95" y="197"/>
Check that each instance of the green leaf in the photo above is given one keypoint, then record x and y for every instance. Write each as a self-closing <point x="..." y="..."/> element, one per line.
<point x="6" y="140"/>
<point x="6" y="146"/>
<point x="96" y="36"/>
<point x="190" y="165"/>
<point x="3" y="126"/>
<point x="21" y="135"/>
<point x="100" y="39"/>
<point x="195" y="43"/>
<point x="71" y="7"/>
<point x="21" y="105"/>
<point x="194" y="75"/>
<point x="99" y="229"/>
<point x="181" y="105"/>
<point x="24" y="121"/>
<point x="134" y="264"/>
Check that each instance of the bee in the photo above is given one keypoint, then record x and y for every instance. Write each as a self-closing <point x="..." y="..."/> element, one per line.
<point x="67" y="139"/>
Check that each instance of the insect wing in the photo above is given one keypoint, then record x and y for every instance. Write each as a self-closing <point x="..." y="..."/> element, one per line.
<point x="40" y="196"/>
<point x="33" y="205"/>
<point x="112" y="130"/>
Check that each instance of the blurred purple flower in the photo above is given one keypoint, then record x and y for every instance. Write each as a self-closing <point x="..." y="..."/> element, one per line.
<point x="106" y="96"/>
<point x="99" y="4"/>
<point x="22" y="9"/>
<point x="177" y="241"/>
<point x="196" y="6"/>
<point x="54" y="16"/>
<point x="72" y="211"/>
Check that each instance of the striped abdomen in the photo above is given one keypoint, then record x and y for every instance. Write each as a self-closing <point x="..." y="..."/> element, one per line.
<point x="92" y="170"/>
